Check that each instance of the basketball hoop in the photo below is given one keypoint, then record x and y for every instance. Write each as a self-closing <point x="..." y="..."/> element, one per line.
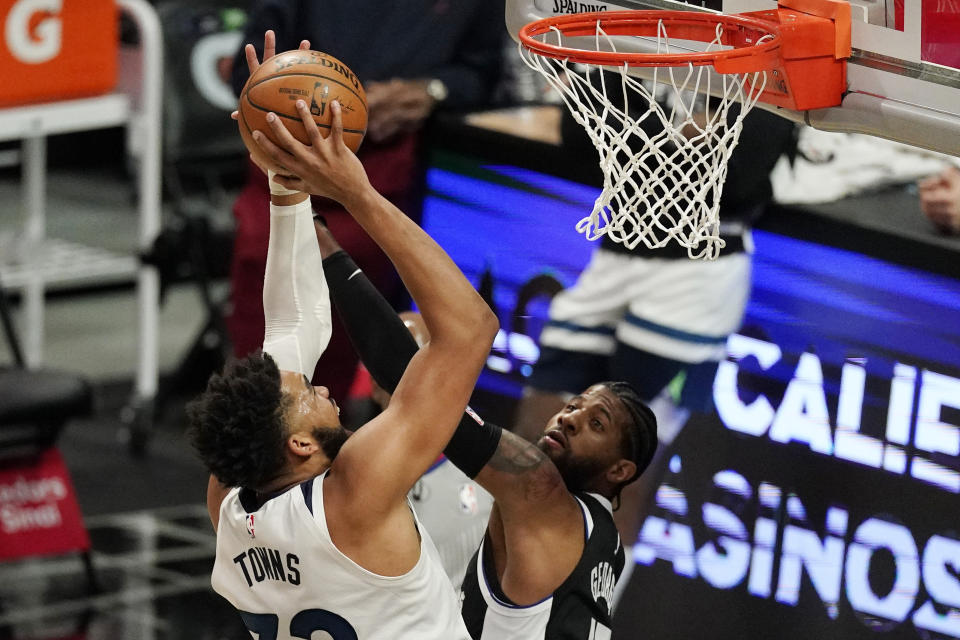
<point x="664" y="164"/>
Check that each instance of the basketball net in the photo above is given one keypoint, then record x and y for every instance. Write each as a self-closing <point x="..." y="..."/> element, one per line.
<point x="664" y="169"/>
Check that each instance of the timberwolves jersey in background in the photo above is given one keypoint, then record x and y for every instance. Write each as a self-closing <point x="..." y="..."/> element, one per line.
<point x="278" y="566"/>
<point x="455" y="510"/>
<point x="578" y="610"/>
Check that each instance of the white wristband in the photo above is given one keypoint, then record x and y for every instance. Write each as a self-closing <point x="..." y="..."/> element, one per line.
<point x="278" y="189"/>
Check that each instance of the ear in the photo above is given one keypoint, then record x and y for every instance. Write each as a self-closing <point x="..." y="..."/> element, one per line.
<point x="621" y="471"/>
<point x="302" y="444"/>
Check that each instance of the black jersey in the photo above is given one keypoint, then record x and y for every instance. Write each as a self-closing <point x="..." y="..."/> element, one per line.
<point x="580" y="607"/>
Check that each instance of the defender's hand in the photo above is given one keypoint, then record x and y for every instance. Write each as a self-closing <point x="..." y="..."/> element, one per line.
<point x="269" y="50"/>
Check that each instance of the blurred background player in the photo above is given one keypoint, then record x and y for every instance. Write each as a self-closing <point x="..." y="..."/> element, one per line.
<point x="412" y="58"/>
<point x="264" y="431"/>
<point x="654" y="317"/>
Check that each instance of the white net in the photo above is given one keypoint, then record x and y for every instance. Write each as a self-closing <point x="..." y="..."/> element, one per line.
<point x="663" y="144"/>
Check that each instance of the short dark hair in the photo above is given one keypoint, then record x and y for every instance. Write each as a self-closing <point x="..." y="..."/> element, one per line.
<point x="639" y="441"/>
<point x="237" y="424"/>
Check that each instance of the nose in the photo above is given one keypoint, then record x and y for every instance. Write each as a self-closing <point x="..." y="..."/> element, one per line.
<point x="323" y="391"/>
<point x="569" y="421"/>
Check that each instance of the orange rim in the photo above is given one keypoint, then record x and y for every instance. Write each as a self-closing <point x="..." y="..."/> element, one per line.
<point x="740" y="32"/>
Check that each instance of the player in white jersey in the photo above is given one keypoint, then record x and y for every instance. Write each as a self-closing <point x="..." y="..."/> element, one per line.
<point x="314" y="531"/>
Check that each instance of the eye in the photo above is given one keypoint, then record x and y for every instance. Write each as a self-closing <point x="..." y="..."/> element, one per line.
<point x="597" y="424"/>
<point x="569" y="408"/>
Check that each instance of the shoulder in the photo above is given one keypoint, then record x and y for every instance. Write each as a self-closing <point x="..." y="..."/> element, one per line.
<point x="216" y="495"/>
<point x="597" y="512"/>
<point x="600" y="529"/>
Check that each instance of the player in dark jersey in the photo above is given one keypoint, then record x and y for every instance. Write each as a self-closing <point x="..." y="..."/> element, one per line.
<point x="551" y="556"/>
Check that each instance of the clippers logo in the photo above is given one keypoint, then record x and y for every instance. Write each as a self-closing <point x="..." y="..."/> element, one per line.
<point x="34" y="30"/>
<point x="468" y="500"/>
<point x="250" y="526"/>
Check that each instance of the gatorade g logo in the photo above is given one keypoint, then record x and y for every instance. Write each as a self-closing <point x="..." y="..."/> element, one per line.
<point x="32" y="41"/>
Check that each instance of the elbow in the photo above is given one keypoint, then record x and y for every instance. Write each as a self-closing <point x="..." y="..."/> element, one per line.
<point x="483" y="330"/>
<point x="489" y="324"/>
<point x="477" y="332"/>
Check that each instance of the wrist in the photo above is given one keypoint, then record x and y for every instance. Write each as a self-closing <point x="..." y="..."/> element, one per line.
<point x="328" y="244"/>
<point x="360" y="199"/>
<point x="285" y="201"/>
<point x="277" y="189"/>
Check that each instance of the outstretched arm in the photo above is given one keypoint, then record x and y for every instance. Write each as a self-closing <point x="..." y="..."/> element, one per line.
<point x="380" y="463"/>
<point x="296" y="302"/>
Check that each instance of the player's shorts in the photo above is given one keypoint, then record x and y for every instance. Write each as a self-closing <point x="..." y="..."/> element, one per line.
<point x="643" y="320"/>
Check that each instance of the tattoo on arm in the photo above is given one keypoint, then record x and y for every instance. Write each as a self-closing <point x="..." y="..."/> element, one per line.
<point x="528" y="475"/>
<point x="516" y="456"/>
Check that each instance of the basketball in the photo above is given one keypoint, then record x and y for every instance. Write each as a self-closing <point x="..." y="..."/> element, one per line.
<point x="314" y="77"/>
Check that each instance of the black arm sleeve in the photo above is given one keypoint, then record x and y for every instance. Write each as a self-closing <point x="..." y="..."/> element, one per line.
<point x="386" y="347"/>
<point x="379" y="336"/>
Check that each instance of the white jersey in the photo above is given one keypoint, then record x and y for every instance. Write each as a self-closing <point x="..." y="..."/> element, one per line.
<point x="278" y="566"/>
<point x="455" y="511"/>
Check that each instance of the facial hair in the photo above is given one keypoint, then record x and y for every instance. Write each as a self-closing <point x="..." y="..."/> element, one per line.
<point x="578" y="473"/>
<point x="330" y="440"/>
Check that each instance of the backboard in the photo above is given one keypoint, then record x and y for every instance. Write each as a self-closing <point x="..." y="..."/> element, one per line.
<point x="903" y="79"/>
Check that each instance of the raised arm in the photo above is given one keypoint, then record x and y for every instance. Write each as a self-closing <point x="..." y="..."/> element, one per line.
<point x="380" y="463"/>
<point x="296" y="301"/>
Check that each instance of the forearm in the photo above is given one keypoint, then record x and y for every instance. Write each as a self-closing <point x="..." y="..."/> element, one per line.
<point x="518" y="469"/>
<point x="296" y="302"/>
<point x="377" y="333"/>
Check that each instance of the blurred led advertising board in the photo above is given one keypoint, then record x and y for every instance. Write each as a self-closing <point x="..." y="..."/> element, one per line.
<point x="822" y="498"/>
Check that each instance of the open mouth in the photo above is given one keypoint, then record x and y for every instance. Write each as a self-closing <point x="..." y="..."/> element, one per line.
<point x="555" y="438"/>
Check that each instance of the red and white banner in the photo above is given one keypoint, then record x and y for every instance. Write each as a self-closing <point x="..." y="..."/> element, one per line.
<point x="39" y="514"/>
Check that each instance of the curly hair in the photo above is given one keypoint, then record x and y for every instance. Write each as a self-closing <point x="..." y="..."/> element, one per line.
<point x="639" y="441"/>
<point x="237" y="424"/>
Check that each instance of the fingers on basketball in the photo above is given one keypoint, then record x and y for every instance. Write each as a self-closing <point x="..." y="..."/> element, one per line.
<point x="309" y="124"/>
<point x="336" y="123"/>
<point x="316" y="79"/>
<point x="286" y="143"/>
<point x="270" y="154"/>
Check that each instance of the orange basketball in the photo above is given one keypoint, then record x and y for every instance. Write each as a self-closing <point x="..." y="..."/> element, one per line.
<point x="311" y="76"/>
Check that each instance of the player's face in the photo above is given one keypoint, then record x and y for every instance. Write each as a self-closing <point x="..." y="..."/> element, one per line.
<point x="311" y="407"/>
<point x="584" y="439"/>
